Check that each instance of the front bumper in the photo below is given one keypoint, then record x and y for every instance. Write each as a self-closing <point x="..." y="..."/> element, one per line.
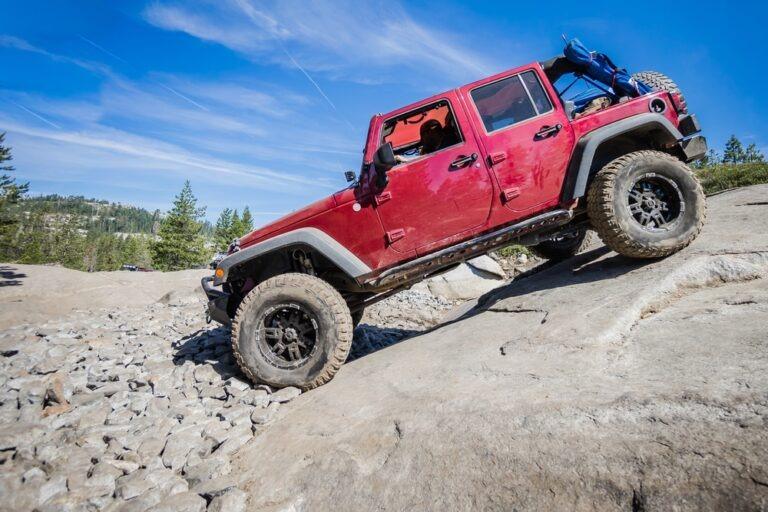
<point x="693" y="148"/>
<point x="217" y="302"/>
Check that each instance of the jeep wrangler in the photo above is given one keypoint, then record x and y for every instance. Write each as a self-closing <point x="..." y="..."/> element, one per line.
<point x="511" y="158"/>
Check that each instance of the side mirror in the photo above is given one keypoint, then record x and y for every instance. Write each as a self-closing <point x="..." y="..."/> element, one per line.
<point x="383" y="161"/>
<point x="350" y="176"/>
<point x="384" y="158"/>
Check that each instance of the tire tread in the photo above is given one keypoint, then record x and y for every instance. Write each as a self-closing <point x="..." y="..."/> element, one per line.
<point x="602" y="216"/>
<point x="327" y="294"/>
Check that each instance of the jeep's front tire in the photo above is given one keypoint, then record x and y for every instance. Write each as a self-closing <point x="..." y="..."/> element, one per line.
<point x="562" y="248"/>
<point x="292" y="330"/>
<point x="646" y="204"/>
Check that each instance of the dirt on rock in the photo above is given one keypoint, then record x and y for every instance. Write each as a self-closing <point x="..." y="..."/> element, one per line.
<point x="597" y="383"/>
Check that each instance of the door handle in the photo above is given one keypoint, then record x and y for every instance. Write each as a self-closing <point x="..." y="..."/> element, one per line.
<point x="463" y="161"/>
<point x="548" y="131"/>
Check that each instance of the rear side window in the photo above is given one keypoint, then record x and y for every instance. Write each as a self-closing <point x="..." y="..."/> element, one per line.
<point x="510" y="101"/>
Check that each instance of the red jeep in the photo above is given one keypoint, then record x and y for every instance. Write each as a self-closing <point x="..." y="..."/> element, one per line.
<point x="506" y="159"/>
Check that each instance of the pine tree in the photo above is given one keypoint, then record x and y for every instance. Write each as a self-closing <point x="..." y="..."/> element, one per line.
<point x="68" y="244"/>
<point x="734" y="151"/>
<point x="246" y="222"/>
<point x="181" y="245"/>
<point x="237" y="226"/>
<point x="222" y="235"/>
<point x="753" y="154"/>
<point x="135" y="251"/>
<point x="10" y="193"/>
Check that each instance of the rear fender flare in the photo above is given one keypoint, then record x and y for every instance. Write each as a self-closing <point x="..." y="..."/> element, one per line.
<point x="580" y="168"/>
<point x="312" y="237"/>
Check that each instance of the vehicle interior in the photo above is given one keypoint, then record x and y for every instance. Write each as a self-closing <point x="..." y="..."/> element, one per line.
<point x="588" y="88"/>
<point x="408" y="133"/>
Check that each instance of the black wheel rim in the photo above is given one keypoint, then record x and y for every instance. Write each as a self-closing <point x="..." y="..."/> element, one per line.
<point x="655" y="202"/>
<point x="288" y="335"/>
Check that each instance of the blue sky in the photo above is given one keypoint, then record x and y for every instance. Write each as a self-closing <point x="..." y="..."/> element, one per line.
<point x="266" y="103"/>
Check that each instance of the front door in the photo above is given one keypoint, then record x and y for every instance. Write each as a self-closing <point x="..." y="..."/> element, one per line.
<point x="442" y="187"/>
<point x="526" y="136"/>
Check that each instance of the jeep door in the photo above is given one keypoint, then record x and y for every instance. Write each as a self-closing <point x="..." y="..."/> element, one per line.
<point x="526" y="137"/>
<point x="438" y="193"/>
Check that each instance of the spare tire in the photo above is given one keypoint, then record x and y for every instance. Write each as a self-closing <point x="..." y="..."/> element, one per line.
<point x="659" y="82"/>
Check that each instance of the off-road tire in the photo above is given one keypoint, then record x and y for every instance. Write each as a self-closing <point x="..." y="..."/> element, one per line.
<point x="559" y="250"/>
<point x="333" y="335"/>
<point x="658" y="82"/>
<point x="609" y="210"/>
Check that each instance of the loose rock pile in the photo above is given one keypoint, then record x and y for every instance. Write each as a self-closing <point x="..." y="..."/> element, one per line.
<point x="139" y="408"/>
<point x="125" y="408"/>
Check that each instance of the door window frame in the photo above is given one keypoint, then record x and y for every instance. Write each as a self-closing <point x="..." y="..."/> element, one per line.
<point x="528" y="93"/>
<point x="421" y="158"/>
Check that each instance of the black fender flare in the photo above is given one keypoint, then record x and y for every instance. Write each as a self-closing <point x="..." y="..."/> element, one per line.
<point x="580" y="167"/>
<point x="312" y="237"/>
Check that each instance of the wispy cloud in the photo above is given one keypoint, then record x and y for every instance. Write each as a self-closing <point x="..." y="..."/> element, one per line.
<point x="227" y="130"/>
<point x="164" y="86"/>
<point x="130" y="124"/>
<point x="23" y="45"/>
<point x="344" y="38"/>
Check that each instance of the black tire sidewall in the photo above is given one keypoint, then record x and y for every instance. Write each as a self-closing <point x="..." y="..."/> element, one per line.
<point x="249" y="346"/>
<point x="563" y="249"/>
<point x="687" y="226"/>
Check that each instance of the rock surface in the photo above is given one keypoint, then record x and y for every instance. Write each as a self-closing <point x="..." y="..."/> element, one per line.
<point x="113" y="400"/>
<point x="598" y="383"/>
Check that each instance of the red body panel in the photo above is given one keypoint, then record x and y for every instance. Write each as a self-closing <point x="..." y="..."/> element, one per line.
<point x="429" y="200"/>
<point x="529" y="171"/>
<point x="427" y="205"/>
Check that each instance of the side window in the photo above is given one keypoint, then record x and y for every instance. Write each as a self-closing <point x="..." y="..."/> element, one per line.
<point x="422" y="131"/>
<point x="510" y="101"/>
<point x="539" y="96"/>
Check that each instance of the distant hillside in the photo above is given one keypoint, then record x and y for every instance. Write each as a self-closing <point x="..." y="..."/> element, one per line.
<point x="93" y="215"/>
<point x="81" y="233"/>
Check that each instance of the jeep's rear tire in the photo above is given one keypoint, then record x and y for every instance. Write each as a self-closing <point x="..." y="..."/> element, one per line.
<point x="646" y="204"/>
<point x="658" y="82"/>
<point x="292" y="330"/>
<point x="565" y="247"/>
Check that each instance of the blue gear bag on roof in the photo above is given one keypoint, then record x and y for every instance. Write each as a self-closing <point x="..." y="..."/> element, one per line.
<point x="600" y="68"/>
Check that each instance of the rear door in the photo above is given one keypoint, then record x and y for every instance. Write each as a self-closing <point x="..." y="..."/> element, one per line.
<point x="526" y="136"/>
<point x="434" y="196"/>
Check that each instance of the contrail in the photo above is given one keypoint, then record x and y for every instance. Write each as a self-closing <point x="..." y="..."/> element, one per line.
<point x="312" y="81"/>
<point x="309" y="77"/>
<point x="25" y="109"/>
<point x="253" y="15"/>
<point x="177" y="93"/>
<point x="102" y="49"/>
<point x="170" y="89"/>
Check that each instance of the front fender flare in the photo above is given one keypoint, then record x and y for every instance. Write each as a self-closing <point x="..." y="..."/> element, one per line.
<point x="312" y="237"/>
<point x="580" y="167"/>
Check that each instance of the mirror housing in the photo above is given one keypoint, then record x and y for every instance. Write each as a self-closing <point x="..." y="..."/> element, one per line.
<point x="383" y="161"/>
<point x="384" y="158"/>
<point x="350" y="176"/>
